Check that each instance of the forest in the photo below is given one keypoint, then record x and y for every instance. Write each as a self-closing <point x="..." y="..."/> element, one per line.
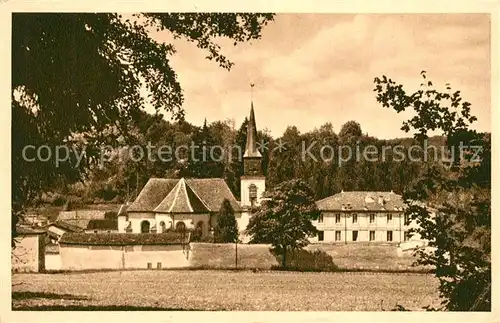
<point x="122" y="174"/>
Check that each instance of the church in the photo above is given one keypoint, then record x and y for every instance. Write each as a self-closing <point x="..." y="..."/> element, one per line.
<point x="193" y="203"/>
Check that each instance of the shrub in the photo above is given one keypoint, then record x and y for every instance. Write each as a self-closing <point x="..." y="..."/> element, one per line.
<point x="206" y="239"/>
<point x="105" y="192"/>
<point x="196" y="235"/>
<point x="59" y="200"/>
<point x="226" y="229"/>
<point x="111" y="215"/>
<point x="305" y="260"/>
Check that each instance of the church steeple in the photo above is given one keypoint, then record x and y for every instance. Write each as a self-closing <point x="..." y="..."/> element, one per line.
<point x="251" y="145"/>
<point x="253" y="181"/>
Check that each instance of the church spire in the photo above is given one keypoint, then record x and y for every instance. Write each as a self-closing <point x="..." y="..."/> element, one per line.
<point x="251" y="145"/>
<point x="253" y="181"/>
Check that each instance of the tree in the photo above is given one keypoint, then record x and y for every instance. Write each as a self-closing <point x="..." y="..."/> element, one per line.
<point x="350" y="133"/>
<point x="285" y="162"/>
<point x="209" y="158"/>
<point x="77" y="77"/>
<point x="460" y="230"/>
<point x="284" y="218"/>
<point x="226" y="229"/>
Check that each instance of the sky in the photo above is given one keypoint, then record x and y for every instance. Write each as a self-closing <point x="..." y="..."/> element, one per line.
<point x="310" y="69"/>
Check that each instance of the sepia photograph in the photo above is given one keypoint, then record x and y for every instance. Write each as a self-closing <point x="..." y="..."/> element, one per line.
<point x="251" y="161"/>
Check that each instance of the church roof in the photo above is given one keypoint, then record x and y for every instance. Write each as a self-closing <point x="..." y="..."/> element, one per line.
<point x="124" y="239"/>
<point x="196" y="195"/>
<point x="182" y="199"/>
<point x="362" y="201"/>
<point x="251" y="144"/>
<point x="155" y="190"/>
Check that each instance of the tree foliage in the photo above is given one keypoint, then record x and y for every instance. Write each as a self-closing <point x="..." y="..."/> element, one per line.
<point x="460" y="229"/>
<point x="284" y="218"/>
<point x="77" y="79"/>
<point x="226" y="229"/>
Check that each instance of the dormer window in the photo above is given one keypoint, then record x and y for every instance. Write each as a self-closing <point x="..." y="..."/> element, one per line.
<point x="369" y="199"/>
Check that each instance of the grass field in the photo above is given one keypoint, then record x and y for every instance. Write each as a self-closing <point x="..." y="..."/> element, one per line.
<point x="222" y="290"/>
<point x="220" y="256"/>
<point x="345" y="256"/>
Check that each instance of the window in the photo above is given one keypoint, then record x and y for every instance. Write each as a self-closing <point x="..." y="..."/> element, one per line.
<point x="128" y="227"/>
<point x="354" y="218"/>
<point x="338" y="236"/>
<point x="389" y="235"/>
<point x="199" y="226"/>
<point x="180" y="226"/>
<point x="321" y="235"/>
<point x="389" y="217"/>
<point x="407" y="236"/>
<point x="145" y="227"/>
<point x="163" y="227"/>
<point x="252" y="190"/>
<point x="198" y="231"/>
<point x="372" y="217"/>
<point x="337" y="218"/>
<point x="372" y="235"/>
<point x="355" y="236"/>
<point x="320" y="219"/>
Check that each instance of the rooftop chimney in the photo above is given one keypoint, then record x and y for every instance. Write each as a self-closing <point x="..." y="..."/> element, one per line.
<point x="381" y="200"/>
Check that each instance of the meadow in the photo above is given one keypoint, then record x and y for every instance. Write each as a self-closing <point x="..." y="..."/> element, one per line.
<point x="223" y="290"/>
<point x="348" y="257"/>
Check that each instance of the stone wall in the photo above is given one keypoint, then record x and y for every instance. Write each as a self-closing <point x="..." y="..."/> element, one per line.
<point x="84" y="257"/>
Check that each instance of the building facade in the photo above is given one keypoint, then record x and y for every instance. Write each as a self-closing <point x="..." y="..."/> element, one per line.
<point x="177" y="204"/>
<point x="363" y="216"/>
<point x="194" y="203"/>
<point x="28" y="254"/>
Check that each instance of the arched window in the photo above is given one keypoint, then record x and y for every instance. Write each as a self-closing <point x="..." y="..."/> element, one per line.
<point x="180" y="226"/>
<point x="128" y="227"/>
<point x="199" y="226"/>
<point x="252" y="190"/>
<point x="145" y="227"/>
<point x="198" y="231"/>
<point x="162" y="227"/>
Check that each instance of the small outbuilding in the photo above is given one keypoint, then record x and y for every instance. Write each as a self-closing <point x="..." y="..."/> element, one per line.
<point x="28" y="254"/>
